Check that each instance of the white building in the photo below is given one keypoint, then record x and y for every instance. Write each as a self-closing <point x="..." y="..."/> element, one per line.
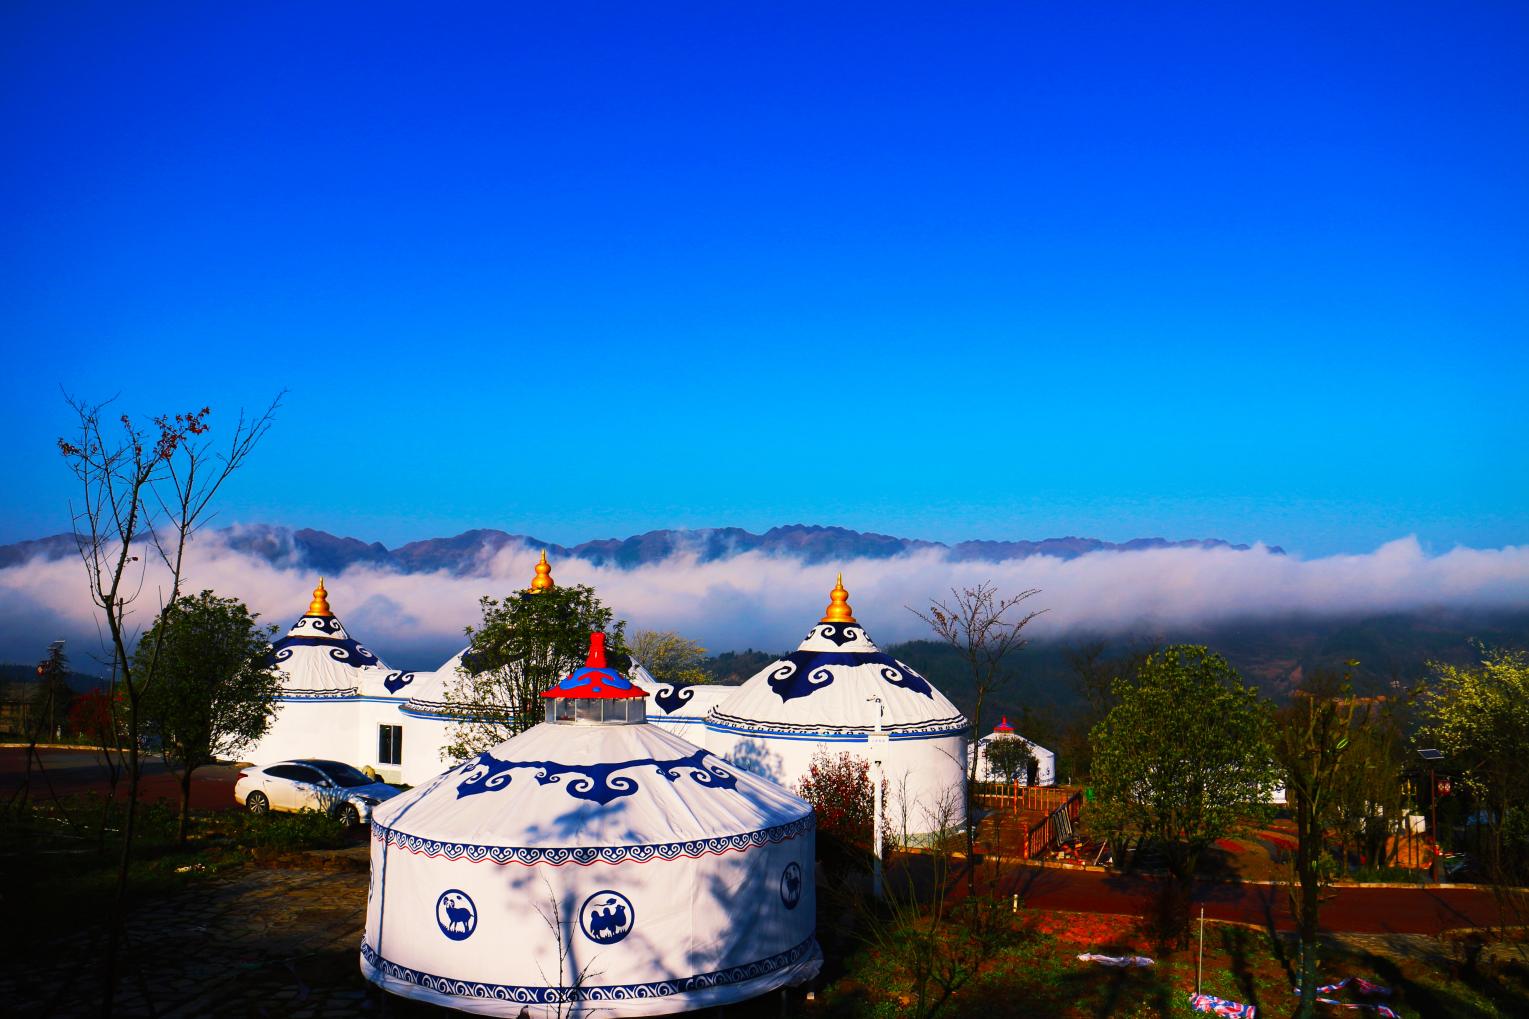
<point x="838" y="693"/>
<point x="339" y="701"/>
<point x="592" y="865"/>
<point x="1043" y="772"/>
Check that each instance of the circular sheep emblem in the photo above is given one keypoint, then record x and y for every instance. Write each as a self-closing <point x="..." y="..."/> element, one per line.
<point x="791" y="884"/>
<point x="456" y="914"/>
<point x="607" y="917"/>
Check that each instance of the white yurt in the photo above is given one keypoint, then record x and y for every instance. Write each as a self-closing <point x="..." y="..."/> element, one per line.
<point x="335" y="693"/>
<point x="594" y="864"/>
<point x="427" y="718"/>
<point x="680" y="707"/>
<point x="1042" y="772"/>
<point x="837" y="692"/>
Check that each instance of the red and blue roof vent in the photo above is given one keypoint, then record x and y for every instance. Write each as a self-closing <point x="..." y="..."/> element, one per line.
<point x="1004" y="726"/>
<point x="596" y="679"/>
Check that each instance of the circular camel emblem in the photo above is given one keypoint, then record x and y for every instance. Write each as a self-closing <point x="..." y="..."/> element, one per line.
<point x="456" y="914"/>
<point x="791" y="884"/>
<point x="606" y="917"/>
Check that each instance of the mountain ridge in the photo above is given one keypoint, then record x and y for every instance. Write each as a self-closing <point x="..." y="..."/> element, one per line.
<point x="464" y="553"/>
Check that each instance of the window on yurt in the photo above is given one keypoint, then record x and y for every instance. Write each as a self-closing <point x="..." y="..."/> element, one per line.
<point x="389" y="744"/>
<point x="587" y="709"/>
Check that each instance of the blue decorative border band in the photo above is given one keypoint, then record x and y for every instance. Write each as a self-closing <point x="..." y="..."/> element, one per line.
<point x="956" y="725"/>
<point x="557" y="856"/>
<point x="605" y="992"/>
<point x="317" y="695"/>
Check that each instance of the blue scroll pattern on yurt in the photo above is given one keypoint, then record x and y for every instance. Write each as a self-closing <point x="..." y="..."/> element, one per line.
<point x="803" y="673"/>
<point x="598" y="782"/>
<point x="341" y="649"/>
<point x="673" y="696"/>
<point x="605" y="992"/>
<point x="839" y="633"/>
<point x="396" y="681"/>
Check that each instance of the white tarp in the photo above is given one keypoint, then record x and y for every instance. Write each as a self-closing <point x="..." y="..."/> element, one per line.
<point x="616" y="868"/>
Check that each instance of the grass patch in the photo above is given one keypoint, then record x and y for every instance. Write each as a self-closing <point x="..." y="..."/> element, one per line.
<point x="1036" y="972"/>
<point x="61" y="857"/>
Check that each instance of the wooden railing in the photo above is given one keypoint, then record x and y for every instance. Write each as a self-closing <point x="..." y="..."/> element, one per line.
<point x="1017" y="796"/>
<point x="1055" y="828"/>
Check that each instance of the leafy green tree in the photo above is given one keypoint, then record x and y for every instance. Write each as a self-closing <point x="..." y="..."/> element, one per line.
<point x="669" y="657"/>
<point x="1009" y="756"/>
<point x="1312" y="738"/>
<point x="1182" y="756"/>
<point x="1479" y="717"/>
<point x="216" y="686"/>
<point x="1370" y="792"/>
<point x="525" y="644"/>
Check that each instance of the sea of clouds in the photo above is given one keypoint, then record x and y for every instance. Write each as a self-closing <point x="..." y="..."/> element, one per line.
<point x="768" y="602"/>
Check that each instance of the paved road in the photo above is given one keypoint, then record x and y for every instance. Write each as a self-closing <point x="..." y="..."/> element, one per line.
<point x="1357" y="910"/>
<point x="79" y="771"/>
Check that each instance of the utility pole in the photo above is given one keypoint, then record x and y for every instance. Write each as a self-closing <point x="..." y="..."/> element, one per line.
<point x="877" y="741"/>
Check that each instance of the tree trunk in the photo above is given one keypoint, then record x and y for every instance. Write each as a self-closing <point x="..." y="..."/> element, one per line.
<point x="1307" y="849"/>
<point x="1178" y="893"/>
<point x="971" y="799"/>
<point x="119" y="900"/>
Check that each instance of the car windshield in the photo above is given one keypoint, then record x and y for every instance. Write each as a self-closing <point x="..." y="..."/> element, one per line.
<point x="342" y="774"/>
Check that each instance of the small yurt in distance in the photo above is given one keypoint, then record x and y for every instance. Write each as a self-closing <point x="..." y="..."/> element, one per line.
<point x="1042" y="771"/>
<point x="839" y="693"/>
<point x="592" y="865"/>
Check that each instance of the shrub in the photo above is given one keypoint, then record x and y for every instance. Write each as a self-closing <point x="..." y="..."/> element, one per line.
<point x="839" y="788"/>
<point x="306" y="829"/>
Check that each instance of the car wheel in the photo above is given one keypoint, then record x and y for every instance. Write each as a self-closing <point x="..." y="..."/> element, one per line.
<point x="349" y="816"/>
<point x="257" y="804"/>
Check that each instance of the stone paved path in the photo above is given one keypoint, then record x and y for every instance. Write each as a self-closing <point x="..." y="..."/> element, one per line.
<point x="263" y="943"/>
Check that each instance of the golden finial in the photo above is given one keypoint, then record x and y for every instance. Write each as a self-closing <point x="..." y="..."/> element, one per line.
<point x="543" y="579"/>
<point x="319" y="606"/>
<point x="838" y="604"/>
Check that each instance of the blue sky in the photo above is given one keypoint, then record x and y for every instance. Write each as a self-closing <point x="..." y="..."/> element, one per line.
<point x="1013" y="270"/>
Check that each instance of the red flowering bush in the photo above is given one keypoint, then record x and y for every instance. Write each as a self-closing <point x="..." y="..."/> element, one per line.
<point x="839" y="788"/>
<point x="99" y="717"/>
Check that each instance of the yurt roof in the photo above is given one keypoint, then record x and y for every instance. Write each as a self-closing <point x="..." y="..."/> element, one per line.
<point x="831" y="684"/>
<point x="318" y="658"/>
<point x="587" y="793"/>
<point x="679" y="700"/>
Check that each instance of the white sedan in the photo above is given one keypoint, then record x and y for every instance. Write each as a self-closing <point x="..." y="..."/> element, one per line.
<point x="329" y="786"/>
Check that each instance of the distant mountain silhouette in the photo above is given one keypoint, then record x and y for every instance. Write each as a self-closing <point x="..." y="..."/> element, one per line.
<point x="466" y="553"/>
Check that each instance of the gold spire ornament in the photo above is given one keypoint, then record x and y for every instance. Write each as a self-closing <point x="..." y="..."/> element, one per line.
<point x="543" y="579"/>
<point x="319" y="606"/>
<point x="838" y="604"/>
